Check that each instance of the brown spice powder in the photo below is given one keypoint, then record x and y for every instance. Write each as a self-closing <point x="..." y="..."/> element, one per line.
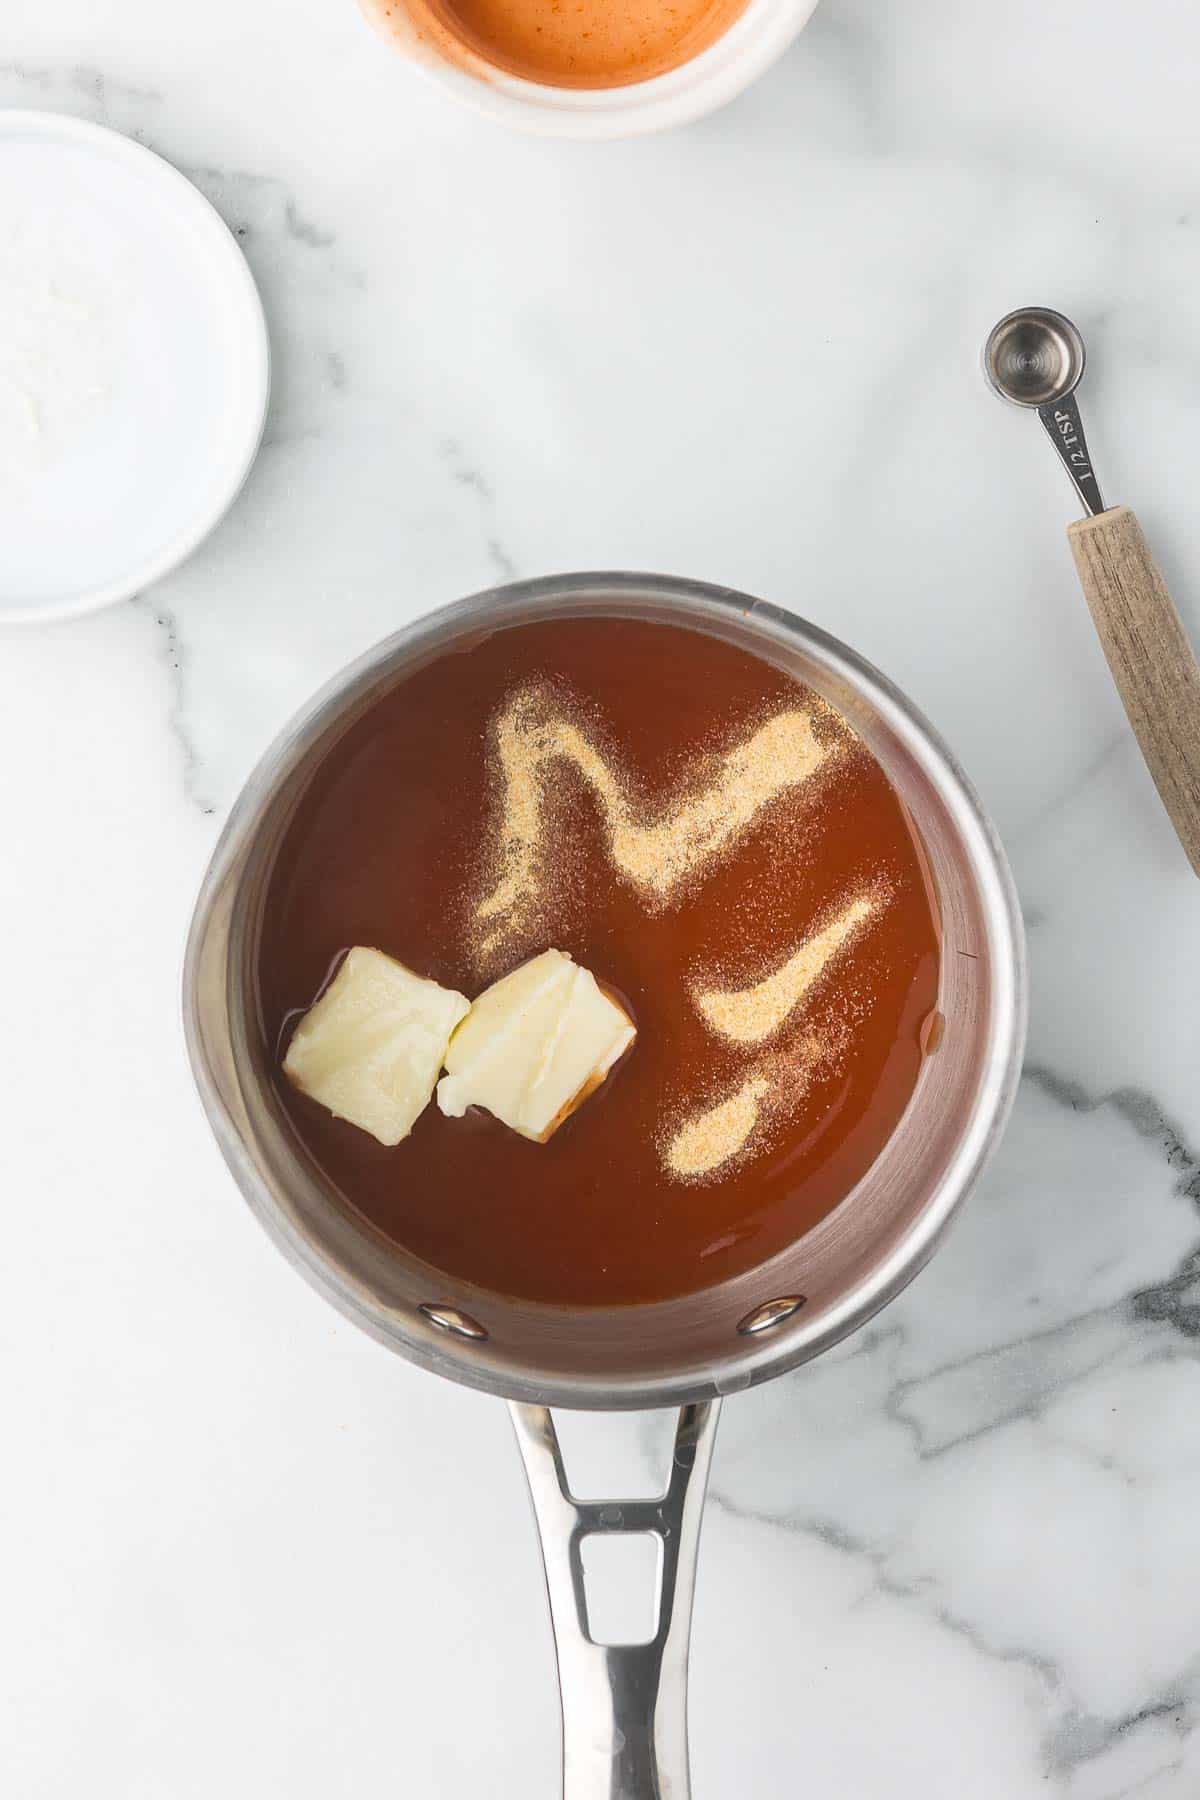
<point x="704" y="1140"/>
<point x="661" y="852"/>
<point x="657" y="854"/>
<point x="707" y="1140"/>
<point x="750" y="1015"/>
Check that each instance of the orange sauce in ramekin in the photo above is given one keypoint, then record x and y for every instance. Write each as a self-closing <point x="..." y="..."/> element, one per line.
<point x="560" y="43"/>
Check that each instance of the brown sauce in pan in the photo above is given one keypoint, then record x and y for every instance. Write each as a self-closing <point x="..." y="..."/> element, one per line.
<point x="394" y="843"/>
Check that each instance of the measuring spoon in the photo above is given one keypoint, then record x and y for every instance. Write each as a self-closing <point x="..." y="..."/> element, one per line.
<point x="1035" y="358"/>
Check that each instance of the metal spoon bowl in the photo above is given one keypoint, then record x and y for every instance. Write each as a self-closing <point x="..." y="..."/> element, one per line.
<point x="1034" y="357"/>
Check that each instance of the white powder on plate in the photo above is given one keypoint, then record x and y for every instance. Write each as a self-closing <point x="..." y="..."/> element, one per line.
<point x="60" y="348"/>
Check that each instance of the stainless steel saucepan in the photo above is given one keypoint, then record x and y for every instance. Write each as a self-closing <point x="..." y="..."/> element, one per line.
<point x="624" y="1706"/>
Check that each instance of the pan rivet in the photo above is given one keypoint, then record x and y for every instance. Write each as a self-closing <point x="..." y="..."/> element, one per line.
<point x="770" y="1314"/>
<point x="450" y="1318"/>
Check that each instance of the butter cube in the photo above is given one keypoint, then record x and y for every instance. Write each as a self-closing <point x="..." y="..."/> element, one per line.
<point x="371" y="1047"/>
<point x="534" y="1046"/>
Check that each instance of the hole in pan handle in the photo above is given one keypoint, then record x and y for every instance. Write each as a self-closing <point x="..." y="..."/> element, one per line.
<point x="624" y="1706"/>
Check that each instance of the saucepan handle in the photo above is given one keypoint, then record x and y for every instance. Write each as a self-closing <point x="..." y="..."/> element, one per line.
<point x="624" y="1706"/>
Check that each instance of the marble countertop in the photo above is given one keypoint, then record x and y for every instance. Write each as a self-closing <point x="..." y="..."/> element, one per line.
<point x="245" y="1550"/>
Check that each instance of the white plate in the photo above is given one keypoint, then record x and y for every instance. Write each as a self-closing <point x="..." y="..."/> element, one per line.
<point x="134" y="367"/>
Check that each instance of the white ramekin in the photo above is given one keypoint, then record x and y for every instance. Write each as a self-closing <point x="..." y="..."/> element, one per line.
<point x="753" y="42"/>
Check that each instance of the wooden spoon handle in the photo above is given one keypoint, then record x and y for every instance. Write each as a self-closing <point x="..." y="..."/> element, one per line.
<point x="1152" y="661"/>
